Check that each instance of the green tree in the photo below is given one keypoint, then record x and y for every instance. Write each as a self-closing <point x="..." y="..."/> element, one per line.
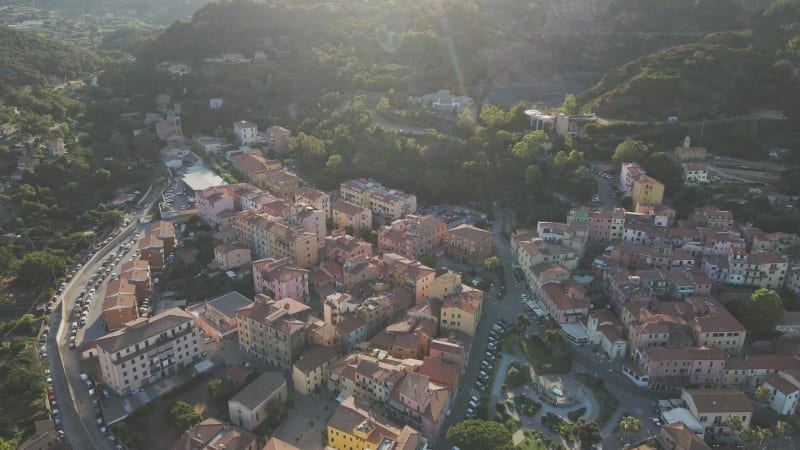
<point x="491" y="263"/>
<point x="553" y="336"/>
<point x="531" y="146"/>
<point x="762" y="393"/>
<point x="570" y="105"/>
<point x="747" y="435"/>
<point x="631" y="150"/>
<point x="629" y="425"/>
<point x="521" y="323"/>
<point x="477" y="434"/>
<point x="220" y="390"/>
<point x="763" y="312"/>
<point x="763" y="435"/>
<point x="276" y="411"/>
<point x="533" y="175"/>
<point x="782" y="428"/>
<point x="40" y="269"/>
<point x="734" y="423"/>
<point x="587" y="433"/>
<point x="181" y="416"/>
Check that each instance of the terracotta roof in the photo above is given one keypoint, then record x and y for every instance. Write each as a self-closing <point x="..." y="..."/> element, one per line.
<point x="415" y="387"/>
<point x="313" y="357"/>
<point x="684" y="438"/>
<point x="720" y="400"/>
<point x="276" y="444"/>
<point x="348" y="208"/>
<point x="238" y="373"/>
<point x="470" y="233"/>
<point x="684" y="354"/>
<point x="781" y="384"/>
<point x="143" y="328"/>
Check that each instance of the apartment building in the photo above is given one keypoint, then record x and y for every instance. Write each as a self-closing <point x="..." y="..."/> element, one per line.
<point x="695" y="173"/>
<point x="211" y="203"/>
<point x="380" y="200"/>
<point x="231" y="255"/>
<point x="646" y="190"/>
<point x="761" y="269"/>
<point x="282" y="183"/>
<point x="147" y="350"/>
<point x="536" y="251"/>
<point x="573" y="235"/>
<point x="346" y="214"/>
<point x="626" y="174"/>
<point x="369" y="377"/>
<point x="278" y="278"/>
<point x="274" y="331"/>
<point x="287" y="241"/>
<point x="137" y="272"/>
<point x="784" y="390"/>
<point x="278" y="138"/>
<point x="246" y="132"/>
<point x="469" y="243"/>
<point x="211" y="434"/>
<point x="565" y="302"/>
<point x="315" y="198"/>
<point x="712" y="217"/>
<point x="667" y="368"/>
<point x="711" y="407"/>
<point x="462" y="311"/>
<point x="408" y="274"/>
<point x="217" y="317"/>
<point x="420" y="403"/>
<point x="784" y="244"/>
<point x="119" y="310"/>
<point x="254" y="167"/>
<point x="354" y="426"/>
<point x="412" y="236"/>
<point x="309" y="219"/>
<point x="340" y="247"/>
<point x="310" y="372"/>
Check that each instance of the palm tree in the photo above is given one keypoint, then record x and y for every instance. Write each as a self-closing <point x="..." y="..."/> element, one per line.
<point x="762" y="393"/>
<point x="734" y="423"/>
<point x="629" y="425"/>
<point x="747" y="435"/>
<point x="553" y="336"/>
<point x="763" y="435"/>
<point x="782" y="428"/>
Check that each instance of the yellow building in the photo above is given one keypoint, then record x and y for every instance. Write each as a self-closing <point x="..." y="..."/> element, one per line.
<point x="462" y="311"/>
<point x="346" y="214"/>
<point x="286" y="241"/>
<point x="354" y="427"/>
<point x="310" y="372"/>
<point x="647" y="191"/>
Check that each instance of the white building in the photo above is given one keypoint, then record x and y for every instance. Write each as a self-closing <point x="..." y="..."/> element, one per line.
<point x="215" y="103"/>
<point x="246" y="132"/>
<point x="784" y="390"/>
<point x="627" y="173"/>
<point x="695" y="173"/>
<point x="147" y="350"/>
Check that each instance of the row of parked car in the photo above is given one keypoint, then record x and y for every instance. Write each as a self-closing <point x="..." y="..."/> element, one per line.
<point x="487" y="365"/>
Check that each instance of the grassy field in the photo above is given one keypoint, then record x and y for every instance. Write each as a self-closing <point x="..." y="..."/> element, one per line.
<point x="545" y="359"/>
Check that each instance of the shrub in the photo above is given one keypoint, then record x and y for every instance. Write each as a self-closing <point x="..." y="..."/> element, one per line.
<point x="573" y="416"/>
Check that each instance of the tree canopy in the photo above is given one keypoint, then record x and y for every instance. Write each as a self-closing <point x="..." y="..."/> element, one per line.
<point x="181" y="416"/>
<point x="763" y="312"/>
<point x="477" y="434"/>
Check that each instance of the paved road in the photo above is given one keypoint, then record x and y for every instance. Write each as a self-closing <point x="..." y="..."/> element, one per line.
<point x="605" y="191"/>
<point x="78" y="414"/>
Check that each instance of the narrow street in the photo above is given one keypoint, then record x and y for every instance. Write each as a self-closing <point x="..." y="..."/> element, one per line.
<point x="80" y="427"/>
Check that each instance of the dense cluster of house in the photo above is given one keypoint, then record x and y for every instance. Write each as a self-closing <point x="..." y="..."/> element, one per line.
<point x="658" y="275"/>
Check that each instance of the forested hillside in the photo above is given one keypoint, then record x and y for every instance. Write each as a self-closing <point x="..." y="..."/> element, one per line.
<point x="29" y="59"/>
<point x="724" y="74"/>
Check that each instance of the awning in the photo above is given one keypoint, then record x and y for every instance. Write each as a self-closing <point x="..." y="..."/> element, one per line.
<point x="203" y="366"/>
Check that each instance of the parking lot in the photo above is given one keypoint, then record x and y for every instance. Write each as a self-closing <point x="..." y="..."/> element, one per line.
<point x="177" y="198"/>
<point x="452" y="215"/>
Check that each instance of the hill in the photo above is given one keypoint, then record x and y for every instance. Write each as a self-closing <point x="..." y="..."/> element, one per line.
<point x="28" y="59"/>
<point x="724" y="74"/>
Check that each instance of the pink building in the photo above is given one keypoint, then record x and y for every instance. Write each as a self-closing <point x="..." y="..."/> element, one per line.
<point x="211" y="203"/>
<point x="423" y="401"/>
<point x="279" y="279"/>
<point x="566" y="302"/>
<point x="668" y="368"/>
<point x="340" y="247"/>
